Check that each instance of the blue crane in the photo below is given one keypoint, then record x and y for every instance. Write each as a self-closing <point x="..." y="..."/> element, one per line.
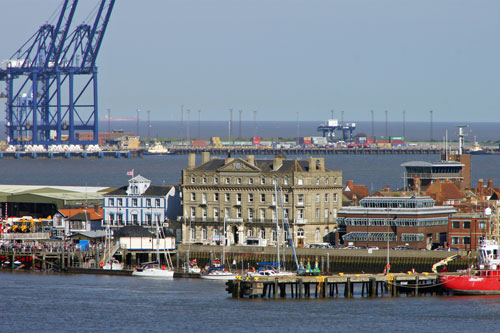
<point x="52" y="97"/>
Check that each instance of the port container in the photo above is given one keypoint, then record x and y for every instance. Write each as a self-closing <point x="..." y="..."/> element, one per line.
<point x="370" y="139"/>
<point x="256" y="140"/>
<point x="397" y="138"/>
<point x="382" y="141"/>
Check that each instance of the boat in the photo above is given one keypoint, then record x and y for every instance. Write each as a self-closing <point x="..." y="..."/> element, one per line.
<point x="155" y="268"/>
<point x="191" y="267"/>
<point x="481" y="280"/>
<point x="113" y="265"/>
<point x="217" y="270"/>
<point x="269" y="269"/>
<point x="157" y="149"/>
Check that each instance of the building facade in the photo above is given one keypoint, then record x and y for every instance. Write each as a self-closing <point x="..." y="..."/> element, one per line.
<point x="140" y="203"/>
<point x="466" y="230"/>
<point x="252" y="196"/>
<point x="394" y="221"/>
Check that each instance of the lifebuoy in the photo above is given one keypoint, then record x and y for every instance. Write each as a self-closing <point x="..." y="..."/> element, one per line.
<point x="101" y="265"/>
<point x="388" y="266"/>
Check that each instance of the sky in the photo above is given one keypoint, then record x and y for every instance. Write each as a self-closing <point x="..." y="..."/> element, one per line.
<point x="289" y="58"/>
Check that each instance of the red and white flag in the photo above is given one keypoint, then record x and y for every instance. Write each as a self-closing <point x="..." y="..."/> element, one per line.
<point x="130" y="173"/>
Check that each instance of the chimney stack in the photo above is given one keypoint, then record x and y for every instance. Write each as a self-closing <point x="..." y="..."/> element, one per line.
<point x="191" y="161"/>
<point x="251" y="159"/>
<point x="205" y="157"/>
<point x="277" y="163"/>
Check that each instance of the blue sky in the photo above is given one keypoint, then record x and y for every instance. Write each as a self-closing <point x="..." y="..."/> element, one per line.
<point x="282" y="57"/>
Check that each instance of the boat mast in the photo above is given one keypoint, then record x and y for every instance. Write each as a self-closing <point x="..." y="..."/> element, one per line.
<point x="277" y="223"/>
<point x="224" y="243"/>
<point x="287" y="229"/>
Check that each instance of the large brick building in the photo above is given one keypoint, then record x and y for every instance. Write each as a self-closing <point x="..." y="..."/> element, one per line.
<point x="242" y="192"/>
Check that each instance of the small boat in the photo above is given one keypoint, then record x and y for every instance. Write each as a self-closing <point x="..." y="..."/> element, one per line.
<point x="483" y="280"/>
<point x="191" y="267"/>
<point x="218" y="272"/>
<point x="158" y="149"/>
<point x="113" y="264"/>
<point x="269" y="269"/>
<point x="153" y="269"/>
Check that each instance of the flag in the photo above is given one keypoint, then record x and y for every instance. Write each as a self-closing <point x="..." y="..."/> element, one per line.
<point x="130" y="173"/>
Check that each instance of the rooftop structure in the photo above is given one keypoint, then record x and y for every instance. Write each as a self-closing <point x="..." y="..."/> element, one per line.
<point x="418" y="175"/>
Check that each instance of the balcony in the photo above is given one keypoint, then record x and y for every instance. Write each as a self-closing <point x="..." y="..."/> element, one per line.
<point x="300" y="204"/>
<point x="300" y="221"/>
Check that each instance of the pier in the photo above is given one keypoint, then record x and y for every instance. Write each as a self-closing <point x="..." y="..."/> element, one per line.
<point x="335" y="286"/>
<point x="67" y="155"/>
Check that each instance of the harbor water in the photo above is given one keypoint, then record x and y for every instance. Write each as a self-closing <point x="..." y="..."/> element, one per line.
<point x="55" y="303"/>
<point x="375" y="171"/>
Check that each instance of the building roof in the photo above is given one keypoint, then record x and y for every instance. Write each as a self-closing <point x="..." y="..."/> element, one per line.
<point x="132" y="231"/>
<point x="139" y="179"/>
<point x="444" y="191"/>
<point x="263" y="165"/>
<point x="78" y="214"/>
<point x="430" y="164"/>
<point x="151" y="191"/>
<point x="355" y="191"/>
<point x="91" y="234"/>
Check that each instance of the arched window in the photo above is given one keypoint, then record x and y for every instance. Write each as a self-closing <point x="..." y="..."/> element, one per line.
<point x="300" y="232"/>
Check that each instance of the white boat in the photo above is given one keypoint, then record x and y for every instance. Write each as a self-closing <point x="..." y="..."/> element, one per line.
<point x="218" y="274"/>
<point x="158" y="149"/>
<point x="113" y="264"/>
<point x="153" y="269"/>
<point x="191" y="267"/>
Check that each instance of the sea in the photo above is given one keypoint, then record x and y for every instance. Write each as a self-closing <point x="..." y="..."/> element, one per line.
<point x="44" y="302"/>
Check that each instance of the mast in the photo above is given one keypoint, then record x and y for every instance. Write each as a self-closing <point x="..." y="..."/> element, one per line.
<point x="224" y="243"/>
<point x="287" y="229"/>
<point x="277" y="223"/>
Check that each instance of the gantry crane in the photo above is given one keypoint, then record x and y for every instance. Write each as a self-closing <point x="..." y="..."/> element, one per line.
<point x="51" y="81"/>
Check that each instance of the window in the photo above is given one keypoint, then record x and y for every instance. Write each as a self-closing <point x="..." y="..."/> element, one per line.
<point x="227" y="197"/>
<point x="326" y="180"/>
<point x="263" y="180"/>
<point x="317" y="235"/>
<point x="285" y="181"/>
<point x="455" y="240"/>
<point x="275" y="236"/>
<point x="134" y="202"/>
<point x="263" y="233"/>
<point x="216" y="180"/>
<point x="158" y="203"/>
<point x="300" y="182"/>
<point x="135" y="220"/>
<point x="287" y="198"/>
<point x="317" y="213"/>
<point x="317" y="181"/>
<point x="335" y="180"/>
<point x="204" y="180"/>
<point x="300" y="232"/>
<point x="455" y="224"/>
<point x="250" y="181"/>
<point x="204" y="234"/>
<point x="228" y="180"/>
<point x="317" y="197"/>
<point x="148" y="202"/>
<point x="327" y="231"/>
<point x="193" y="212"/>
<point x="204" y="213"/>
<point x="204" y="198"/>
<point x="334" y="197"/>
<point x="238" y="212"/>
<point x="238" y="180"/>
<point x="111" y="202"/>
<point x="300" y="199"/>
<point x="466" y="240"/>
<point x="148" y="219"/>
<point x="120" y="202"/>
<point x="193" y="180"/>
<point x="300" y="213"/>
<point x="120" y="219"/>
<point x="326" y="197"/>
<point x="250" y="214"/>
<point x="250" y="197"/>
<point x="262" y="214"/>
<point x="466" y="225"/>
<point x="273" y="214"/>
<point x="250" y="232"/>
<point x="216" y="214"/>
<point x="216" y="196"/>
<point x="111" y="218"/>
<point x="262" y="197"/>
<point x="287" y="213"/>
<point x="227" y="212"/>
<point x="481" y="225"/>
<point x="274" y="198"/>
<point x="193" y="196"/>
<point x="326" y="214"/>
<point x="193" y="233"/>
<point x="238" y="197"/>
<point x="157" y="219"/>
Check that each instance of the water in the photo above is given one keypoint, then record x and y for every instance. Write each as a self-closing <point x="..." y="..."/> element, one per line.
<point x="374" y="171"/>
<point x="51" y="302"/>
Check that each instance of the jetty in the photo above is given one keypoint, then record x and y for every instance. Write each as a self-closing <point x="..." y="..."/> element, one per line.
<point x="335" y="286"/>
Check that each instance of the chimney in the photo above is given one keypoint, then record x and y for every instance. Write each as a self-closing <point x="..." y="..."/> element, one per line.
<point x="205" y="157"/>
<point x="251" y="159"/>
<point x="191" y="161"/>
<point x="277" y="163"/>
<point x="490" y="183"/>
<point x="349" y="183"/>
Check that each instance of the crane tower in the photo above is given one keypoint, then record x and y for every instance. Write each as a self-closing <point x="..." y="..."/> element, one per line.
<point x="51" y="81"/>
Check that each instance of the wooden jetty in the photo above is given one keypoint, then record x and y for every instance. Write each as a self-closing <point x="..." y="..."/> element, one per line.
<point x="334" y="286"/>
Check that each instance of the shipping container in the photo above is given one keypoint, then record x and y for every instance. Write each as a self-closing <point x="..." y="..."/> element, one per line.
<point x="399" y="138"/>
<point x="256" y="140"/>
<point x="199" y="143"/>
<point x="383" y="145"/>
<point x="370" y="139"/>
<point x="382" y="141"/>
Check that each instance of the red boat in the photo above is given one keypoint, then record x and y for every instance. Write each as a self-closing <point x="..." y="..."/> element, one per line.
<point x="483" y="280"/>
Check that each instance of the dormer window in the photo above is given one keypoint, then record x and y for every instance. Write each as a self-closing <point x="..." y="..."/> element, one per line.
<point x="228" y="180"/>
<point x="204" y="180"/>
<point x="263" y="180"/>
<point x="193" y="180"/>
<point x="216" y="180"/>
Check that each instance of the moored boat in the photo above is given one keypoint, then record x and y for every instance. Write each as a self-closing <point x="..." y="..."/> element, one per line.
<point x="153" y="269"/>
<point x="483" y="280"/>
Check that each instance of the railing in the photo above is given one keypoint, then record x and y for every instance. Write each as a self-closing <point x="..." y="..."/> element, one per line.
<point x="29" y="235"/>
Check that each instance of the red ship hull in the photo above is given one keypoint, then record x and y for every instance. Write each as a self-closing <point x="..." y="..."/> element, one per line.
<point x="473" y="283"/>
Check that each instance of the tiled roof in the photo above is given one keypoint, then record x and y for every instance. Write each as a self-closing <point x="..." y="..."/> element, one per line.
<point x="72" y="212"/>
<point x="443" y="191"/>
<point x="351" y="189"/>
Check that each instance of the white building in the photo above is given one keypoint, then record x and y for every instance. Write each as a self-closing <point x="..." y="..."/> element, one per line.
<point x="141" y="203"/>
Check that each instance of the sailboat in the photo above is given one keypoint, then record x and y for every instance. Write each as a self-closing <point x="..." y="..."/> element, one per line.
<point x="217" y="271"/>
<point x="155" y="269"/>
<point x="274" y="268"/>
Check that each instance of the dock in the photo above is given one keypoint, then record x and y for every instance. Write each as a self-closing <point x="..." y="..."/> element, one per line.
<point x="335" y="286"/>
<point x="70" y="155"/>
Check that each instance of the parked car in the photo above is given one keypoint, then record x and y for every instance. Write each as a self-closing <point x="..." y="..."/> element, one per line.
<point x="401" y="247"/>
<point x="350" y="247"/>
<point x="373" y="248"/>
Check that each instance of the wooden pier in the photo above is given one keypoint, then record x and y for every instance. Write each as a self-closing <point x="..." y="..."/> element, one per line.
<point x="335" y="286"/>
